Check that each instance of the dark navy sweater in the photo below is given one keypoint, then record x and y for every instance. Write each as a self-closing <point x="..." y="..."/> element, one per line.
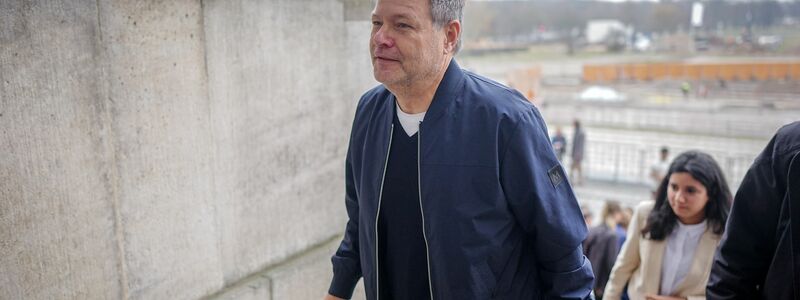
<point x="402" y="257"/>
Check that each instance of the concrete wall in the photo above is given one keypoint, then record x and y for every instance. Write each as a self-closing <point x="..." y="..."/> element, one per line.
<point x="58" y="234"/>
<point x="175" y="149"/>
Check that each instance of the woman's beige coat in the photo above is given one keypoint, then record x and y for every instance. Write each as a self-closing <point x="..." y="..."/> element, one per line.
<point x="639" y="263"/>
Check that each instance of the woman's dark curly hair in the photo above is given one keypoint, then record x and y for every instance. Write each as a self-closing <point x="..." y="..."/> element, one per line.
<point x="704" y="169"/>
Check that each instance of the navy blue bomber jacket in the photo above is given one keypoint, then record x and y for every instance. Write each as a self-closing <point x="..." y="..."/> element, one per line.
<point x="499" y="217"/>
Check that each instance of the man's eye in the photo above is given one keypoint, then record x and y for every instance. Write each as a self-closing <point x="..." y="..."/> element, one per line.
<point x="376" y="23"/>
<point x="403" y="25"/>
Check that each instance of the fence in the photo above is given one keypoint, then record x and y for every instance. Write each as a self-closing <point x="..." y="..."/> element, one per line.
<point x="750" y="123"/>
<point x="630" y="162"/>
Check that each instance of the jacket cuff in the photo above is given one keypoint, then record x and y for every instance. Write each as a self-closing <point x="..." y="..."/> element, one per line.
<point x="574" y="284"/>
<point x="343" y="284"/>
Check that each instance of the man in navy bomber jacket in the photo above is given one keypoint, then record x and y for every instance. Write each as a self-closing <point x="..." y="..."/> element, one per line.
<point x="453" y="190"/>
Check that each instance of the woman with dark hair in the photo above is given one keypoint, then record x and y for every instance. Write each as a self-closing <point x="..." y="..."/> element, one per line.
<point x="671" y="241"/>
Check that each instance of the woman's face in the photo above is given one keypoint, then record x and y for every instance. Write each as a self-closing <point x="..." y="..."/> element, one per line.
<point x="687" y="197"/>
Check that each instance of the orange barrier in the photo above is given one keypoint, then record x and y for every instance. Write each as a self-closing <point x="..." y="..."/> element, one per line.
<point x="711" y="71"/>
<point x="609" y="73"/>
<point x="794" y="71"/>
<point x="527" y="82"/>
<point x="760" y="71"/>
<point x="727" y="72"/>
<point x="627" y="72"/>
<point x="600" y="73"/>
<point x="675" y="71"/>
<point x="640" y="72"/>
<point x="779" y="71"/>
<point x="658" y="71"/>
<point x="590" y="73"/>
<point x="691" y="71"/>
<point x="742" y="72"/>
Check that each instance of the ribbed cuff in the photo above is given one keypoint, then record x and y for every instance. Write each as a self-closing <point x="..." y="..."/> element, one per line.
<point x="342" y="285"/>
<point x="574" y="284"/>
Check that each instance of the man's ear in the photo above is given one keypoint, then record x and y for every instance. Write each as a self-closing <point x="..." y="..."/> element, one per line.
<point x="452" y="32"/>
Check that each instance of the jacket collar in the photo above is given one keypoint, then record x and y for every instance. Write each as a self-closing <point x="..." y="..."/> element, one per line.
<point x="449" y="89"/>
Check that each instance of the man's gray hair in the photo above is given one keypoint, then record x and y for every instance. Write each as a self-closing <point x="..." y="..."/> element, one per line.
<point x="444" y="11"/>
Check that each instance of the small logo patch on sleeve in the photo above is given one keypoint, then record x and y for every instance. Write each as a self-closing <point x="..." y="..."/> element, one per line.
<point x="556" y="175"/>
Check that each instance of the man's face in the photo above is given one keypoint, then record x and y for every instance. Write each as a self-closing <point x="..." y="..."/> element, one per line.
<point x="405" y="46"/>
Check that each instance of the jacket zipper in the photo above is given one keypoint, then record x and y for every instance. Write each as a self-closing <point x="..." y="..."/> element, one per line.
<point x="422" y="212"/>
<point x="378" y="215"/>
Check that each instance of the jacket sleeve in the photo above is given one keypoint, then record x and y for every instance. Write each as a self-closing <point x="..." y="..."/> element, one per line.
<point x="544" y="205"/>
<point x="346" y="260"/>
<point x="745" y="252"/>
<point x="628" y="259"/>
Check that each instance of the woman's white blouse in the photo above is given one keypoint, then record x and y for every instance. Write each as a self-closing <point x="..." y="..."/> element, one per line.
<point x="678" y="255"/>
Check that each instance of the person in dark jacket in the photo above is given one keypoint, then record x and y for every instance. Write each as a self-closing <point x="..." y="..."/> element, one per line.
<point x="559" y="144"/>
<point x="452" y="188"/>
<point x="601" y="246"/>
<point x="759" y="255"/>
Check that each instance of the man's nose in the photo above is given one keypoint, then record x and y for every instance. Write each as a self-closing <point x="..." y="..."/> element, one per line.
<point x="382" y="38"/>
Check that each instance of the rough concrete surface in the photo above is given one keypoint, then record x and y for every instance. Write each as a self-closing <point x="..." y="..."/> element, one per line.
<point x="359" y="67"/>
<point x="291" y="281"/>
<point x="160" y="130"/>
<point x="299" y="119"/>
<point x="175" y="149"/>
<point x="257" y="288"/>
<point x="306" y="276"/>
<point x="57" y="238"/>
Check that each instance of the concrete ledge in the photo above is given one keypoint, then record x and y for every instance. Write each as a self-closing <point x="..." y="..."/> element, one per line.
<point x="304" y="276"/>
<point x="254" y="288"/>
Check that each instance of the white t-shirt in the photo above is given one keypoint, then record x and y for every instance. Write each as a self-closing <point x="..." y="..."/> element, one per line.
<point x="410" y="122"/>
<point x="678" y="255"/>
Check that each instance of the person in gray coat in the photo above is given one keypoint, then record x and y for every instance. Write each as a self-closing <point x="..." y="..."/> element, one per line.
<point x="578" y="149"/>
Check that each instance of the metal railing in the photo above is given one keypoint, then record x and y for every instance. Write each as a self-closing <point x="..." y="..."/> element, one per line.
<point x="752" y="123"/>
<point x="631" y="163"/>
